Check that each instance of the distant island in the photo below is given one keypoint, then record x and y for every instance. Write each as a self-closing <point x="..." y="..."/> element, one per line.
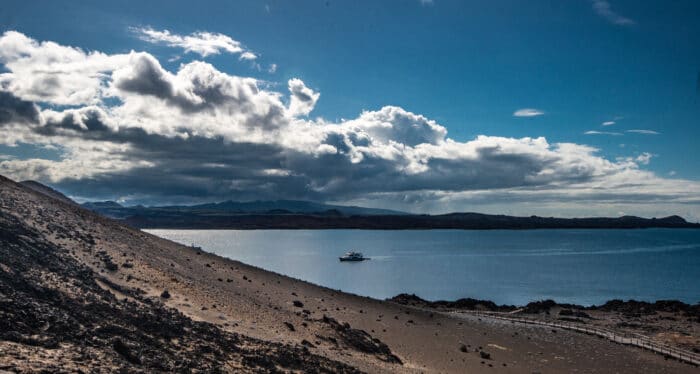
<point x="286" y="214"/>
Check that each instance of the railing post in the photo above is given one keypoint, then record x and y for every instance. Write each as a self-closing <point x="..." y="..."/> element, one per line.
<point x="622" y="338"/>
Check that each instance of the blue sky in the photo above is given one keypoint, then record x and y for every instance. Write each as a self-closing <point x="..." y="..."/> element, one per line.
<point x="467" y="65"/>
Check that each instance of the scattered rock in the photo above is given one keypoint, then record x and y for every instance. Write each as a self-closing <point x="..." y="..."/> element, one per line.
<point x="126" y="352"/>
<point x="361" y="340"/>
<point x="307" y="343"/>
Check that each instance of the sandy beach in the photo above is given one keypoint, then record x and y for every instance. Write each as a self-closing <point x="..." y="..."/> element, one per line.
<point x="366" y="334"/>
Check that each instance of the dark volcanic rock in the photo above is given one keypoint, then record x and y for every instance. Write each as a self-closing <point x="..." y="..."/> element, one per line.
<point x="634" y="307"/>
<point x="466" y="303"/>
<point x="289" y="326"/>
<point x="574" y="313"/>
<point x="630" y="308"/>
<point x="542" y="306"/>
<point x="126" y="352"/>
<point x="362" y="341"/>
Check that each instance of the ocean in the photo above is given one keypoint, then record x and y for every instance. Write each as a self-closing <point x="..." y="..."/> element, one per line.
<point x="508" y="267"/>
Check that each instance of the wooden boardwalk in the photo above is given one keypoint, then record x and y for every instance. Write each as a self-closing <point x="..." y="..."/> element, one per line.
<point x="632" y="339"/>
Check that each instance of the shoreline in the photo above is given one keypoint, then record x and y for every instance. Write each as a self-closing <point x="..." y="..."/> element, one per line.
<point x="468" y="303"/>
<point x="209" y="217"/>
<point x="465" y="300"/>
<point x="578" y="294"/>
<point x="407" y="229"/>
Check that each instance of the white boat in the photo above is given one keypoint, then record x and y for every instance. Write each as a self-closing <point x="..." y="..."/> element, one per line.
<point x="353" y="256"/>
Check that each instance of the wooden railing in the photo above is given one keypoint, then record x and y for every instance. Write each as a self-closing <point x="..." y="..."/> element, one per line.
<point x="621" y="337"/>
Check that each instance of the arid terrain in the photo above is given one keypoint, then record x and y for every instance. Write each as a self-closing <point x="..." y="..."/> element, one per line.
<point x="83" y="292"/>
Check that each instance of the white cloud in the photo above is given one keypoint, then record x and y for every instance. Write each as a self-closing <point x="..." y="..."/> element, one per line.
<point x="248" y="56"/>
<point x="84" y="159"/>
<point x="394" y="124"/>
<point x="427" y="2"/>
<point x="527" y="112"/>
<point x="604" y="9"/>
<point x="52" y="73"/>
<point x="272" y="68"/>
<point x="200" y="42"/>
<point x="645" y="132"/>
<point x="608" y="123"/>
<point x="303" y="99"/>
<point x="198" y="131"/>
<point x="595" y="132"/>
<point x="643" y="158"/>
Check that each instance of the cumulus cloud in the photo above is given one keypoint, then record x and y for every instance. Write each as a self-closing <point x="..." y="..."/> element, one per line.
<point x="199" y="133"/>
<point x="604" y="9"/>
<point x="527" y="112"/>
<point x="51" y="73"/>
<point x="201" y="42"/>
<point x="16" y="110"/>
<point x="143" y="75"/>
<point x="303" y="99"/>
<point x="395" y="125"/>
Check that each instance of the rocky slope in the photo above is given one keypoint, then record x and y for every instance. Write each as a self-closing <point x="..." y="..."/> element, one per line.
<point x="46" y="190"/>
<point x="56" y="314"/>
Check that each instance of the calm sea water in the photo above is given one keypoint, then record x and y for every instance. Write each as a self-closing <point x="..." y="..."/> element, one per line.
<point x="508" y="267"/>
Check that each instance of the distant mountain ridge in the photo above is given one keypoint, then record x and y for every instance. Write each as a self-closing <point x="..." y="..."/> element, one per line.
<point x="297" y="214"/>
<point x="292" y="206"/>
<point x="281" y="207"/>
<point x="463" y="221"/>
<point x="96" y="205"/>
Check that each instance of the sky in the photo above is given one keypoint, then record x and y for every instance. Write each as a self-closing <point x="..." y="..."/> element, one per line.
<point x="555" y="108"/>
